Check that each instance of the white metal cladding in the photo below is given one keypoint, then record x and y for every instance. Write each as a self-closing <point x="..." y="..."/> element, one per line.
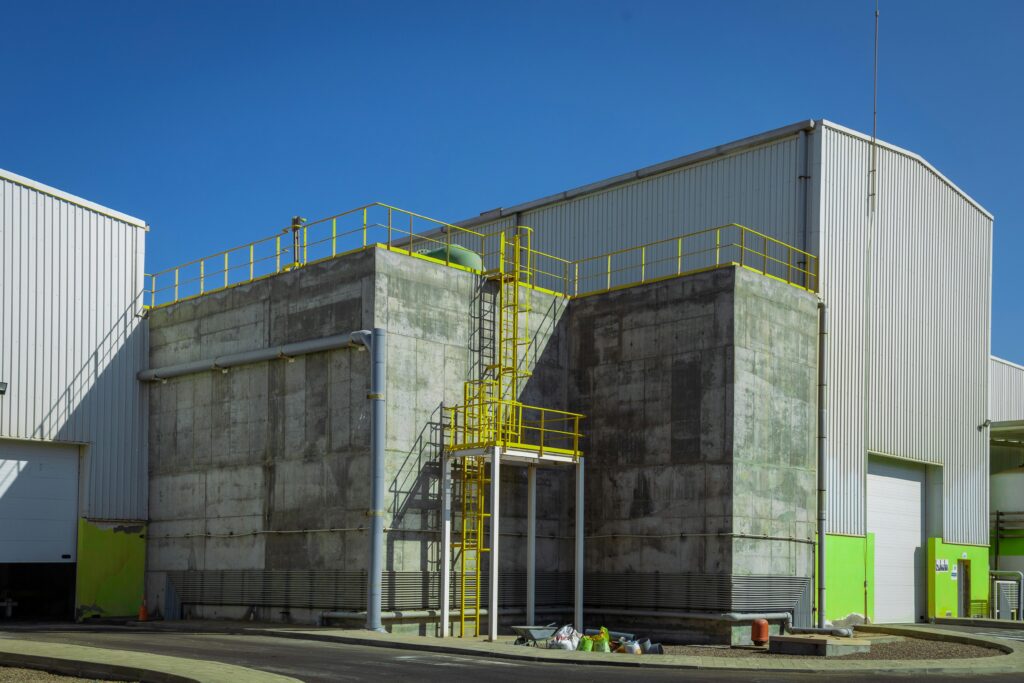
<point x="1007" y="391"/>
<point x="909" y="346"/>
<point x="71" y="339"/>
<point x="757" y="187"/>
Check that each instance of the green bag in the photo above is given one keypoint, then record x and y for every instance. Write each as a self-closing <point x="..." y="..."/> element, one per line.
<point x="586" y="644"/>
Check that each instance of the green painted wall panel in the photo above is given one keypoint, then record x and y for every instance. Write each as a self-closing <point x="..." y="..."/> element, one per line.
<point x="850" y="572"/>
<point x="1010" y="546"/>
<point x="111" y="568"/>
<point x="942" y="586"/>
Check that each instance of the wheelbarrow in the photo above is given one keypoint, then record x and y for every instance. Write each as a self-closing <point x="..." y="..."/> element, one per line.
<point x="529" y="635"/>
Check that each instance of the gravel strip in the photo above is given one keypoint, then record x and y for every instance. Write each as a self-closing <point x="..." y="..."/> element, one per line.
<point x="906" y="649"/>
<point x="12" y="675"/>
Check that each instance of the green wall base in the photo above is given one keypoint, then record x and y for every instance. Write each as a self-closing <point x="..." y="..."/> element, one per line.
<point x="850" y="567"/>
<point x="111" y="569"/>
<point x="942" y="585"/>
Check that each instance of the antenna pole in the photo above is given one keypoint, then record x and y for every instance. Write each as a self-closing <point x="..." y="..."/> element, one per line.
<point x="874" y="123"/>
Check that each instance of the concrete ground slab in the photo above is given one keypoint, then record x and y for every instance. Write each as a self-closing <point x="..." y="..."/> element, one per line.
<point x="93" y="662"/>
<point x="818" y="646"/>
<point x="1011" y="662"/>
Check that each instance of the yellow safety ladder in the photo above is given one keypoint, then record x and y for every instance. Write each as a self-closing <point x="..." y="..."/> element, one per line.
<point x="473" y="482"/>
<point x="496" y="411"/>
<point x="513" y="324"/>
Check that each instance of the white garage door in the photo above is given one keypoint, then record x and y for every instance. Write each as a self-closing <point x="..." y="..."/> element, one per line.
<point x="896" y="494"/>
<point x="38" y="502"/>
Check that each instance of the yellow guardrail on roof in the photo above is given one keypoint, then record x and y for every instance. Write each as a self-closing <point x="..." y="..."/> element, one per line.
<point x="304" y="243"/>
<point x="380" y="225"/>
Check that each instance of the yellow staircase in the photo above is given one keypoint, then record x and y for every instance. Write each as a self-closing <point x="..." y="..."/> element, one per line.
<point x="491" y="415"/>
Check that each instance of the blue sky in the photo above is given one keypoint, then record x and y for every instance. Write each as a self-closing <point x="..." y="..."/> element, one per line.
<point x="217" y="121"/>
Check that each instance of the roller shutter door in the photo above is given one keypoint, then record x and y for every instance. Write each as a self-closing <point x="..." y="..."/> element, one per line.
<point x="38" y="502"/>
<point x="895" y="515"/>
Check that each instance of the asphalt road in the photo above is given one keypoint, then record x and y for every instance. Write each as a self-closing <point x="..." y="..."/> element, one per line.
<point x="319" y="662"/>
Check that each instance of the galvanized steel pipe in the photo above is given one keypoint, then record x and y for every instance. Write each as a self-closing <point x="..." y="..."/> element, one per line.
<point x="822" y="423"/>
<point x="378" y="376"/>
<point x="255" y="356"/>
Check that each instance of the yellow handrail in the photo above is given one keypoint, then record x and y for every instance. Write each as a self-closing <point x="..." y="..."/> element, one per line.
<point x="488" y="421"/>
<point x="374" y="225"/>
<point x="320" y="239"/>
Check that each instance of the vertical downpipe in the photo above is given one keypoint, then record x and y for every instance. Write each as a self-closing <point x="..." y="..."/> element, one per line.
<point x="378" y="360"/>
<point x="822" y="478"/>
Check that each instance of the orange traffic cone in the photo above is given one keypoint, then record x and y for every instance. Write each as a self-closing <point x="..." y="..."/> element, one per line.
<point x="143" y="612"/>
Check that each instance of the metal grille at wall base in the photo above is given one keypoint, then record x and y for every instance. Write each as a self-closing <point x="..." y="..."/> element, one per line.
<point x="346" y="591"/>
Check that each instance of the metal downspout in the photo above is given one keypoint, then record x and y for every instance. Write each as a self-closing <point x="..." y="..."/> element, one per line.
<point x="822" y="480"/>
<point x="378" y="375"/>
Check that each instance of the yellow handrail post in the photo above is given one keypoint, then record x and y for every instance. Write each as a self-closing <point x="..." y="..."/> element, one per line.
<point x="541" y="439"/>
<point x="202" y="275"/>
<point x="334" y="237"/>
<point x="743" y="246"/>
<point x="609" y="273"/>
<point x="389" y="227"/>
<point x="789" y="265"/>
<point x="576" y="279"/>
<point x="305" y="245"/>
<point x="643" y="264"/>
<point x="679" y="256"/>
<point x="175" y="284"/>
<point x="152" y="291"/>
<point x="764" y="267"/>
<point x="225" y="269"/>
<point x="576" y="436"/>
<point x="277" y="255"/>
<point x="501" y="253"/>
<point x="718" y="242"/>
<point x="252" y="261"/>
<point x="364" y="227"/>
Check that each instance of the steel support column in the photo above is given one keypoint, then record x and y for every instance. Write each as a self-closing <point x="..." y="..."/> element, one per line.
<point x="446" y="543"/>
<point x="578" y="578"/>
<point x="531" y="544"/>
<point x="492" y="601"/>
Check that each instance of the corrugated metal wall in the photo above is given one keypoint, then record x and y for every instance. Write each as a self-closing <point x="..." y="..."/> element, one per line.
<point x="757" y="187"/>
<point x="910" y="335"/>
<point x="1007" y="391"/>
<point x="71" y="339"/>
<point x="905" y="380"/>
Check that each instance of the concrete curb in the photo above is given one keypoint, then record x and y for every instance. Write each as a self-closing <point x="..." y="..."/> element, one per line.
<point x="94" y="662"/>
<point x="1011" y="662"/>
<point x="980" y="623"/>
<point x="925" y="633"/>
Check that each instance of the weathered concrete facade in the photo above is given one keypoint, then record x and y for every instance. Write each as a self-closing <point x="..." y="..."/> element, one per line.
<point x="699" y="396"/>
<point x="701" y="406"/>
<point x="265" y="468"/>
